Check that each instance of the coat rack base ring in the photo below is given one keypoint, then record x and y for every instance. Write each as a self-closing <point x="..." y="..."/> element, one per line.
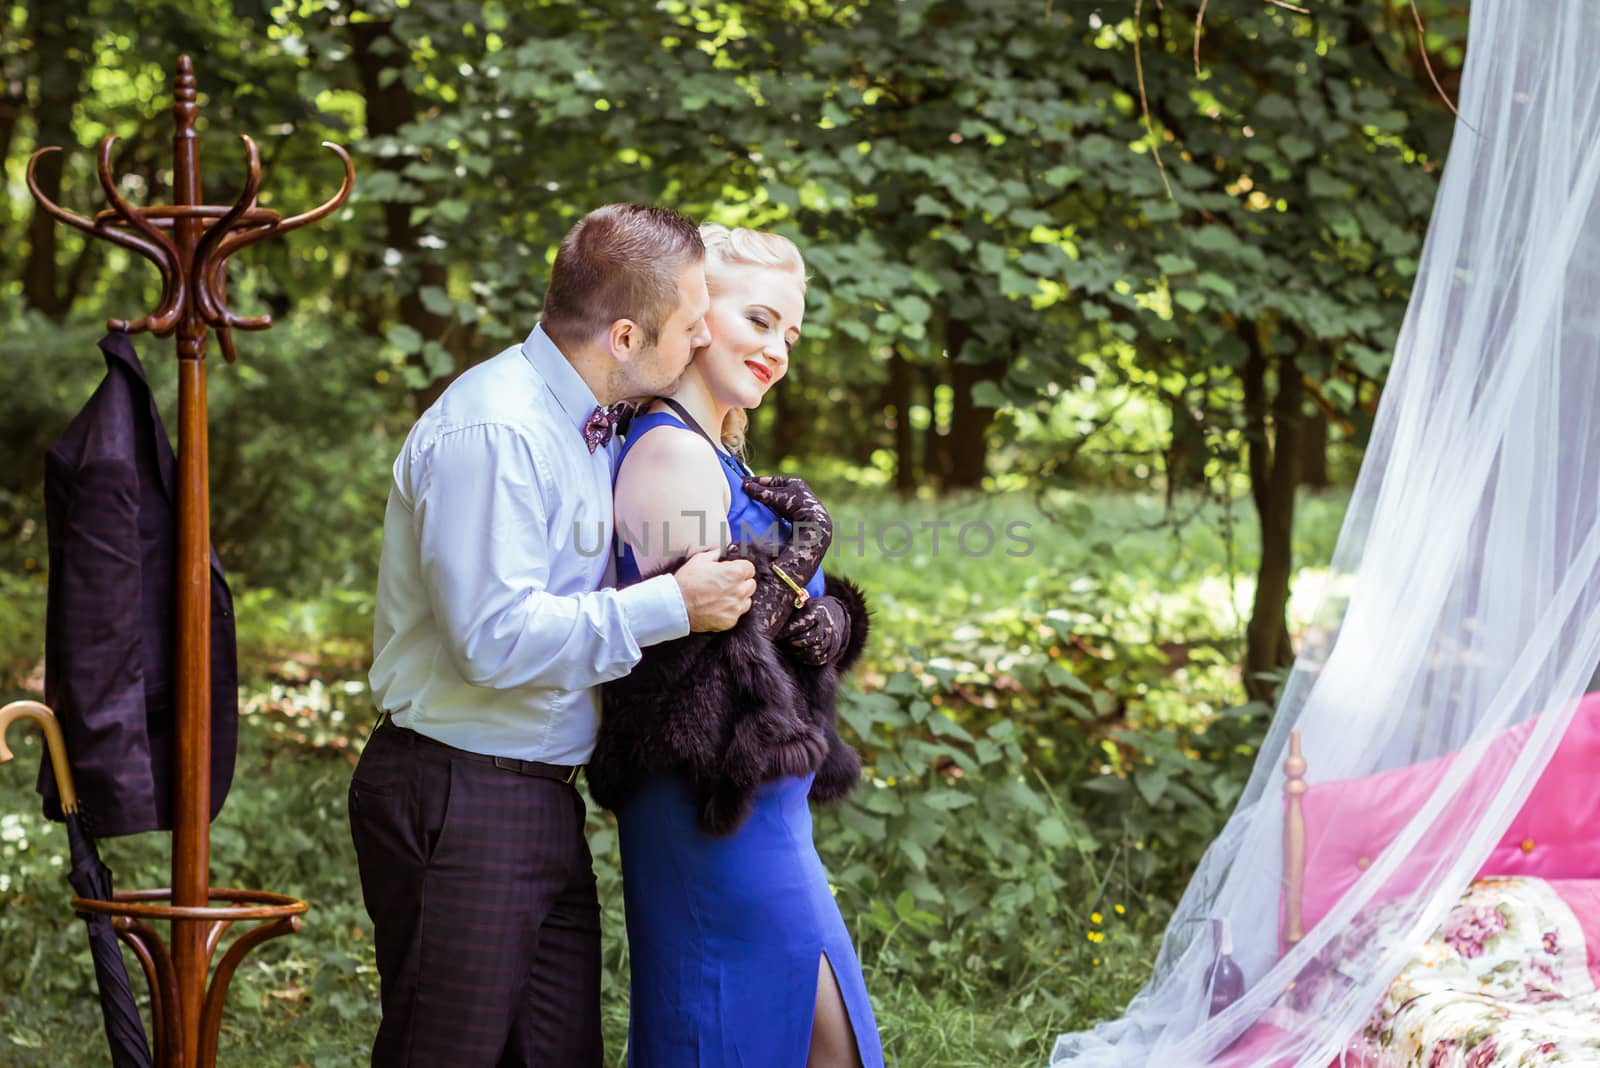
<point x="278" y="914"/>
<point x="252" y="905"/>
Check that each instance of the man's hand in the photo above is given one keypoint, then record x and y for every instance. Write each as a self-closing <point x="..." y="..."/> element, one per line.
<point x="715" y="592"/>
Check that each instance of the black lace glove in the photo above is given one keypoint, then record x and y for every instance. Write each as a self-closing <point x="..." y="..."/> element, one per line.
<point x="789" y="498"/>
<point x="818" y="633"/>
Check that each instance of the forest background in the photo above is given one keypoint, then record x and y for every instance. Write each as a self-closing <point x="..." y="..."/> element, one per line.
<point x="1101" y="307"/>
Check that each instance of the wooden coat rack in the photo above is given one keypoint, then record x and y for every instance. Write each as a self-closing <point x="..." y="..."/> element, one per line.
<point x="190" y="242"/>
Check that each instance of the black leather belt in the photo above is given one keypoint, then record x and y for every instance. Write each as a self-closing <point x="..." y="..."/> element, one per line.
<point x="567" y="773"/>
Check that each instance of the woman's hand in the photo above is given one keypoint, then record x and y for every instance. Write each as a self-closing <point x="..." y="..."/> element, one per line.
<point x="792" y="499"/>
<point x="789" y="498"/>
<point x="818" y="632"/>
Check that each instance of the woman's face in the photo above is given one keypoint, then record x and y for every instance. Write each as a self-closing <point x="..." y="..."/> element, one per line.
<point x="754" y="322"/>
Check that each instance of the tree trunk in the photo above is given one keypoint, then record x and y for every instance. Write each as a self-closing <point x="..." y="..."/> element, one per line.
<point x="1314" y="450"/>
<point x="1274" y="473"/>
<point x="786" y="420"/>
<point x="390" y="107"/>
<point x="905" y="438"/>
<point x="866" y="443"/>
<point x="968" y="442"/>
<point x="938" y="458"/>
<point x="60" y="34"/>
<point x="1186" y="447"/>
<point x="13" y="101"/>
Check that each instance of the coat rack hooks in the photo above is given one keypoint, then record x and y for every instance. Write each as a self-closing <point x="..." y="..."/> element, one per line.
<point x="190" y="243"/>
<point x="193" y="286"/>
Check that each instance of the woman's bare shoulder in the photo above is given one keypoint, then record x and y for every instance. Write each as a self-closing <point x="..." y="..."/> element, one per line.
<point x="674" y="453"/>
<point x="671" y="482"/>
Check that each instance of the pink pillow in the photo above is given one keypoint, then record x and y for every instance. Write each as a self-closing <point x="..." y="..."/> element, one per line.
<point x="1556" y="834"/>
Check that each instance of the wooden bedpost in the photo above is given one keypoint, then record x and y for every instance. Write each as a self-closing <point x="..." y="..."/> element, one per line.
<point x="1294" y="843"/>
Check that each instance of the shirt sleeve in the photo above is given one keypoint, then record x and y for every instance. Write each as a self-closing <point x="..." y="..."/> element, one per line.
<point x="483" y="533"/>
<point x="654" y="610"/>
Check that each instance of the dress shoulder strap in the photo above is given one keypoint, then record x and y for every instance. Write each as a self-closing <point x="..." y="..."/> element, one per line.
<point x="724" y="455"/>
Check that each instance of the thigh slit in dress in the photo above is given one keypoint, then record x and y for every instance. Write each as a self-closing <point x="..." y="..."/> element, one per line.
<point x="725" y="934"/>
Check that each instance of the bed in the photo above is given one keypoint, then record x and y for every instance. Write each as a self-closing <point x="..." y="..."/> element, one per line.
<point x="1512" y="975"/>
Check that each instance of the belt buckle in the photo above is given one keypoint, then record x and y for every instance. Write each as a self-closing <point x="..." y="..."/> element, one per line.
<point x="572" y="776"/>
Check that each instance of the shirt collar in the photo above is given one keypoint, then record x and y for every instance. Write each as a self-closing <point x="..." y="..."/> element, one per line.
<point x="562" y="379"/>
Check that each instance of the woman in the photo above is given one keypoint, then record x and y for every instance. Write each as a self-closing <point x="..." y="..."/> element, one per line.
<point x="709" y="750"/>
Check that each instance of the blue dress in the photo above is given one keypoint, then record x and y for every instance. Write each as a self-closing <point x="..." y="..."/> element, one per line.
<point x="724" y="934"/>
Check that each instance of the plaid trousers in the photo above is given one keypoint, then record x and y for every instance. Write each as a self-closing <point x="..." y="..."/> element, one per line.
<point x="482" y="896"/>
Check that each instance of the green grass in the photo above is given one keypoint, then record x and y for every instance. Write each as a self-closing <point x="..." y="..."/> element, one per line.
<point x="310" y="999"/>
<point x="1120" y="538"/>
<point x="305" y="999"/>
<point x="1115" y="565"/>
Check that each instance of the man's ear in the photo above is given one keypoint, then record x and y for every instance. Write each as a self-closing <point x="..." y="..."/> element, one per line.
<point x="625" y="339"/>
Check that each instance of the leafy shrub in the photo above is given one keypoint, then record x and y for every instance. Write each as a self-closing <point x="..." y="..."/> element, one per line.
<point x="1048" y="750"/>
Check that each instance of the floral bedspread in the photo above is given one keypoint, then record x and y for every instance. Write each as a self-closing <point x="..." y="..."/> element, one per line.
<point x="1504" y="981"/>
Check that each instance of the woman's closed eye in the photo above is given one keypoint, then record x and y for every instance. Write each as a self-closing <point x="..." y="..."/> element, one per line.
<point x="766" y="325"/>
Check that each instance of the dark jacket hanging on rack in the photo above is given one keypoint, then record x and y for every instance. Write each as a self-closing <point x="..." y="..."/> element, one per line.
<point x="111" y="626"/>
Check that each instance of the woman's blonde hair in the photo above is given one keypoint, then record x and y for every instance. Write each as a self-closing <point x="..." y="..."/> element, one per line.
<point x="742" y="247"/>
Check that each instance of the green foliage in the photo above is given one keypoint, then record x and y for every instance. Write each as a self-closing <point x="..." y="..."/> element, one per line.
<point x="22" y="599"/>
<point x="1051" y="735"/>
<point x="1041" y="778"/>
<point x="301" y="474"/>
<point x="988" y="199"/>
<point x="984" y="217"/>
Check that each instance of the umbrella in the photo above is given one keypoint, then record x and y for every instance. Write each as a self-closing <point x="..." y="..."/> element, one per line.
<point x="91" y="879"/>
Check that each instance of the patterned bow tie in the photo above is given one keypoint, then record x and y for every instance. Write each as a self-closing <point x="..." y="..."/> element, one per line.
<point x="603" y="422"/>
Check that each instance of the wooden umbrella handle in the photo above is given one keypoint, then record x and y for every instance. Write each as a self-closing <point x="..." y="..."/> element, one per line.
<point x="53" y="740"/>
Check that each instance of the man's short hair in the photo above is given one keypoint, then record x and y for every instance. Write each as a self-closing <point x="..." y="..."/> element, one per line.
<point x="620" y="261"/>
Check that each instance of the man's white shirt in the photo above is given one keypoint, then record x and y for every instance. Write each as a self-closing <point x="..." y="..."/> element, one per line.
<point x="492" y="624"/>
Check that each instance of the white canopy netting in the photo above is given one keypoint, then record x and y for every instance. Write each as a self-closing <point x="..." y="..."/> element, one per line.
<point x="1462" y="618"/>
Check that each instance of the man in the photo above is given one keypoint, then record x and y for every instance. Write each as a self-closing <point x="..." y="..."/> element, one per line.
<point x="491" y="632"/>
